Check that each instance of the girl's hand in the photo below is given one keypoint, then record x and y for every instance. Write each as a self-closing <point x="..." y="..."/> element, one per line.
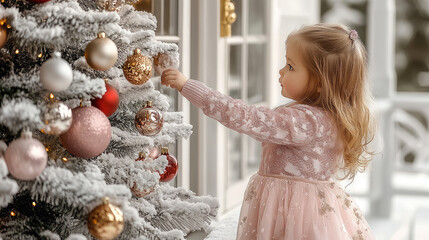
<point x="174" y="79"/>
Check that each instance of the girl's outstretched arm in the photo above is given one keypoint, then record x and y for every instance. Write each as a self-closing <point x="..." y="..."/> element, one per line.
<point x="295" y="125"/>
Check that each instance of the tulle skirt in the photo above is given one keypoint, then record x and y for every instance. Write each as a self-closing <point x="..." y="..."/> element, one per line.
<point x="290" y="208"/>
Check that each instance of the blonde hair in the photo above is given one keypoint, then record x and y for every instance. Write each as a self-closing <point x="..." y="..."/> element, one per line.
<point x="337" y="65"/>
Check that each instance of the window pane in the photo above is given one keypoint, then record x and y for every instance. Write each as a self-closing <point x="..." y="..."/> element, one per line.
<point x="158" y="12"/>
<point x="256" y="73"/>
<point x="235" y="71"/>
<point x="254" y="155"/>
<point x="171" y="9"/>
<point x="257" y="17"/>
<point x="237" y="25"/>
<point x="166" y="13"/>
<point x="235" y="157"/>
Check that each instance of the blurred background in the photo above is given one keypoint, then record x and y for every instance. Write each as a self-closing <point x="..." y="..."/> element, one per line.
<point x="394" y="193"/>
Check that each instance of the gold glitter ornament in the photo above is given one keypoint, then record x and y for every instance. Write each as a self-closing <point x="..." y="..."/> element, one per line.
<point x="106" y="221"/>
<point x="137" y="68"/>
<point x="101" y="53"/>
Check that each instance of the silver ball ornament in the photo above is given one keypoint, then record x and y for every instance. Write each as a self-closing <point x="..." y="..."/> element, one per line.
<point x="57" y="118"/>
<point x="56" y="74"/>
<point x="26" y="157"/>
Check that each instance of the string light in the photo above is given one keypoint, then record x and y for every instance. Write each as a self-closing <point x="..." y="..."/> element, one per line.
<point x="34" y="204"/>
<point x="17" y="51"/>
<point x="51" y="96"/>
<point x="47" y="149"/>
<point x="12" y="213"/>
<point x="9" y="26"/>
<point x="64" y="159"/>
<point x="40" y="55"/>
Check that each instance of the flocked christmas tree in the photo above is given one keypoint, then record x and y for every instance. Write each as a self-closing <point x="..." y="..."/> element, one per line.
<point x="82" y="126"/>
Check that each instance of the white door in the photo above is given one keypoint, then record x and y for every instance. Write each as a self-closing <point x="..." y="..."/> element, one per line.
<point x="243" y="66"/>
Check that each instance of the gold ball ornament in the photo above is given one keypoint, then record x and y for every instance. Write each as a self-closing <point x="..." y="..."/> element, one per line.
<point x="106" y="221"/>
<point x="137" y="68"/>
<point x="101" y="53"/>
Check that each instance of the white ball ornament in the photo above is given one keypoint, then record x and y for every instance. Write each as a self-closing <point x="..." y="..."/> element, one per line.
<point x="26" y="157"/>
<point x="56" y="74"/>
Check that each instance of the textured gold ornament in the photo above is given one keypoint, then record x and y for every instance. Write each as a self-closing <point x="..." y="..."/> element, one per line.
<point x="137" y="68"/>
<point x="106" y="221"/>
<point x="3" y="33"/>
<point x="101" y="53"/>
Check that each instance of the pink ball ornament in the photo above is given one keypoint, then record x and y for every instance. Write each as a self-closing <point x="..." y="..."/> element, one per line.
<point x="26" y="157"/>
<point x="89" y="134"/>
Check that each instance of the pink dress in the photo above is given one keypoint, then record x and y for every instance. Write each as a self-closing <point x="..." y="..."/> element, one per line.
<point x="291" y="197"/>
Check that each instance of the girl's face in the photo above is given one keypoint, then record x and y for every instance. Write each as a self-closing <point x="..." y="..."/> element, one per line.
<point x="294" y="76"/>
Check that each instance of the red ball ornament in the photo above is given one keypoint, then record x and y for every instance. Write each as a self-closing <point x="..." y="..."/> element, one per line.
<point x="38" y="1"/>
<point x="172" y="167"/>
<point x="109" y="102"/>
<point x="89" y="134"/>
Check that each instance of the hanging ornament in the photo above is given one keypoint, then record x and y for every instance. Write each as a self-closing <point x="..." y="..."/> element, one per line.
<point x="109" y="102"/>
<point x="57" y="118"/>
<point x="89" y="134"/>
<point x="38" y="1"/>
<point x="56" y="74"/>
<point x="26" y="157"/>
<point x="172" y="167"/>
<point x="106" y="221"/>
<point x="134" y="189"/>
<point x="149" y="120"/>
<point x="137" y="68"/>
<point x="101" y="53"/>
<point x="164" y="61"/>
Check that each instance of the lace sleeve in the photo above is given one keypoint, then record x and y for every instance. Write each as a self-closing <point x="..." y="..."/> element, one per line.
<point x="294" y="125"/>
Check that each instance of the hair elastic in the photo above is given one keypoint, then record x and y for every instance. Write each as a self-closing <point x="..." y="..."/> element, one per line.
<point x="353" y="35"/>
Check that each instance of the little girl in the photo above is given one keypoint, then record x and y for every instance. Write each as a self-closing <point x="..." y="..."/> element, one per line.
<point x="304" y="144"/>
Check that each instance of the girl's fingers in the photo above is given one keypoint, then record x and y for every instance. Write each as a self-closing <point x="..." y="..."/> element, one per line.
<point x="169" y="78"/>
